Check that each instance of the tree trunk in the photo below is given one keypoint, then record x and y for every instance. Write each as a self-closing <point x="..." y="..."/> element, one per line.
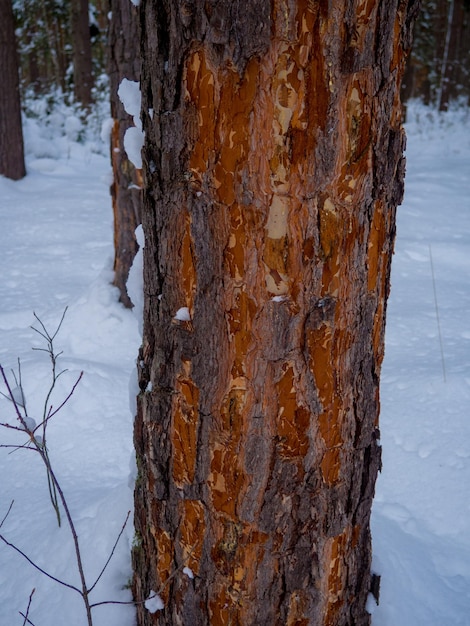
<point x="81" y="43"/>
<point x="453" y="56"/>
<point x="124" y="62"/>
<point x="11" y="132"/>
<point x="273" y="166"/>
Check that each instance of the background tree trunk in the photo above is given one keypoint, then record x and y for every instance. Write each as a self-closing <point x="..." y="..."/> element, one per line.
<point x="124" y="62"/>
<point x="453" y="55"/>
<point x="11" y="132"/>
<point x="81" y="43"/>
<point x="438" y="70"/>
<point x="273" y="168"/>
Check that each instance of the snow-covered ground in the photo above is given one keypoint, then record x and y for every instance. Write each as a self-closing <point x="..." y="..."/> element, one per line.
<point x="56" y="250"/>
<point x="56" y="243"/>
<point x="421" y="514"/>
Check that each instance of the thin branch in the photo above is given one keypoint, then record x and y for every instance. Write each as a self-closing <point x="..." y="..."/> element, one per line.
<point x="60" y="323"/>
<point x="111" y="554"/>
<point x="48" y="413"/>
<point x="41" y="334"/>
<point x="24" y="446"/>
<point x="51" y="414"/>
<point x="55" y="490"/>
<point x="17" y="410"/>
<point x="78" y="556"/>
<point x="46" y="333"/>
<point x="19" y="384"/>
<point x="168" y="580"/>
<point x="5" y="425"/>
<point x="157" y="593"/>
<point x="129" y="602"/>
<point x="7" y="513"/>
<point x="25" y="556"/>
<point x="50" y="350"/>
<point x="26" y="620"/>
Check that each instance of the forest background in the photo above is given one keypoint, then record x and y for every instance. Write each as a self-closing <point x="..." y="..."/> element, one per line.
<point x="46" y="30"/>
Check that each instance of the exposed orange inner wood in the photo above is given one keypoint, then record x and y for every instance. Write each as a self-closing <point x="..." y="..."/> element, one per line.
<point x="226" y="476"/>
<point x="323" y="359"/>
<point x="192" y="532"/>
<point x="165" y="552"/>
<point x="293" y="421"/>
<point x="184" y="430"/>
<point x="337" y="548"/>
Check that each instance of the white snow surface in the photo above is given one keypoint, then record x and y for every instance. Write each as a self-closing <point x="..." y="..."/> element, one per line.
<point x="154" y="603"/>
<point x="421" y="513"/>
<point x="133" y="143"/>
<point x="56" y="242"/>
<point x="183" y="314"/>
<point x="130" y="96"/>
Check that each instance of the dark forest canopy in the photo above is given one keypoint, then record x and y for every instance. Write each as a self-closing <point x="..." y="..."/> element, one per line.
<point x="438" y="68"/>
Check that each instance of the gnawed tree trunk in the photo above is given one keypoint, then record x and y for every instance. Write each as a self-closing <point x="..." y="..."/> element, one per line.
<point x="124" y="62"/>
<point x="273" y="168"/>
<point x="11" y="132"/>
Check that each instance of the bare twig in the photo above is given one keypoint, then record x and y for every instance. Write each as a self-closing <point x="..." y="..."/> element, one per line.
<point x="40" y="569"/>
<point x="157" y="593"/>
<point x="55" y="490"/>
<point x="51" y="413"/>
<point x="111" y="554"/>
<point x="134" y="602"/>
<point x="65" y="506"/>
<point x="46" y="335"/>
<point x="52" y="355"/>
<point x="7" y="513"/>
<point x="24" y="446"/>
<point x="39" y="447"/>
<point x="38" y="444"/>
<point x="10" y="392"/>
<point x="5" y="425"/>
<point x="26" y="620"/>
<point x="45" y="416"/>
<point x="19" y="386"/>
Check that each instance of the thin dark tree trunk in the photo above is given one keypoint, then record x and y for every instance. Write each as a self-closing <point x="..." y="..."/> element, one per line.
<point x="124" y="62"/>
<point x="82" y="58"/>
<point x="273" y="165"/>
<point x="11" y="133"/>
<point x="454" y="55"/>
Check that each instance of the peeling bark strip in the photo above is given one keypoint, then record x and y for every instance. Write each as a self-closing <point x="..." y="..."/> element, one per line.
<point x="273" y="167"/>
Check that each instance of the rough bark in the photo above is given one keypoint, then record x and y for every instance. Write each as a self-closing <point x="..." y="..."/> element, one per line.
<point x="124" y="62"/>
<point x="11" y="133"/>
<point x="82" y="58"/>
<point x="273" y="166"/>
